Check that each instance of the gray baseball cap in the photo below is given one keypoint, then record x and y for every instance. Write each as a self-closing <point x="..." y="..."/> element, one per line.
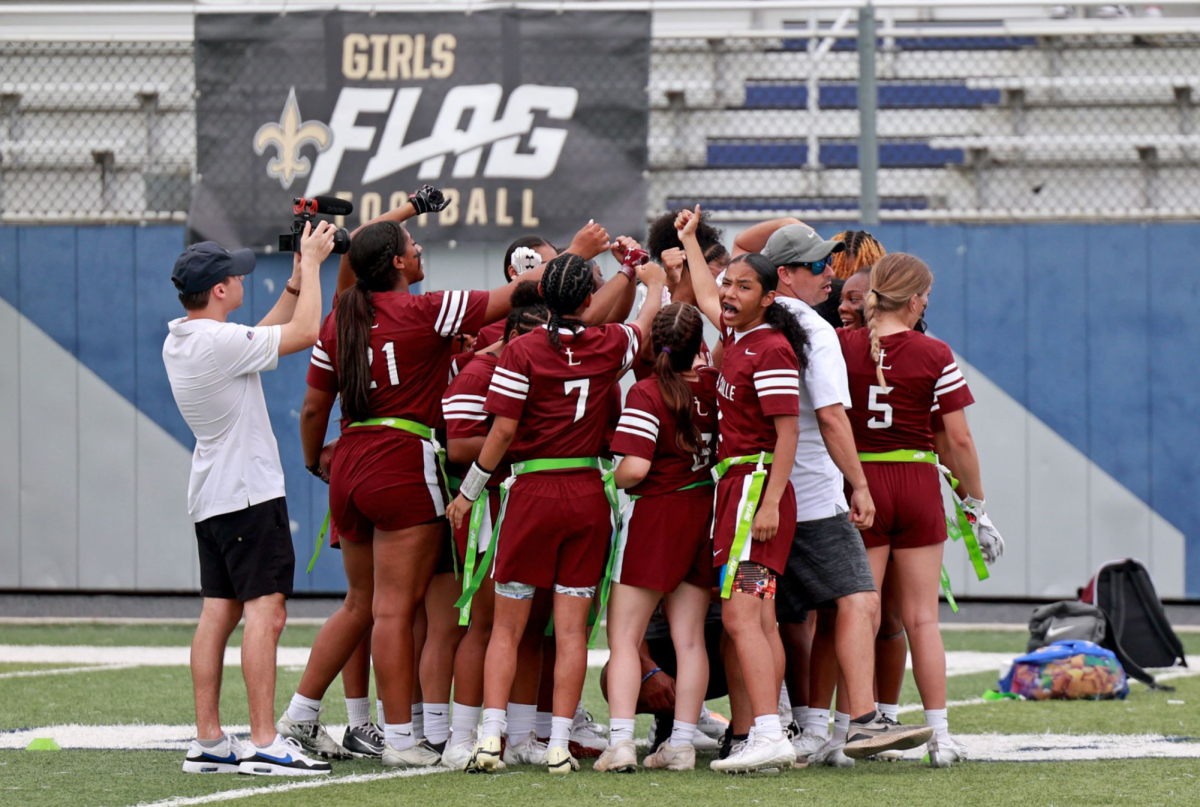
<point x="798" y="243"/>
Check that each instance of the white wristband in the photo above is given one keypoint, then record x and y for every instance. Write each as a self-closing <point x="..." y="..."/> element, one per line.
<point x="474" y="482"/>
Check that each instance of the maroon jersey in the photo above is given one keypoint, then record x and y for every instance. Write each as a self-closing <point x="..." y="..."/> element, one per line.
<point x="922" y="378"/>
<point x="463" y="406"/>
<point x="490" y="334"/>
<point x="561" y="398"/>
<point x="647" y="430"/>
<point x="409" y="354"/>
<point x="760" y="379"/>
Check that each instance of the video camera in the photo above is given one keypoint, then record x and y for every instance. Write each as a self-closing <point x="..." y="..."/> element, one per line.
<point x="307" y="210"/>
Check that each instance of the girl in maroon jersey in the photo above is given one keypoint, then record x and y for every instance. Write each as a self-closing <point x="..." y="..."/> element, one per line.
<point x="898" y="376"/>
<point x="763" y="349"/>
<point x="664" y="551"/>
<point x="386" y="354"/>
<point x="550" y="398"/>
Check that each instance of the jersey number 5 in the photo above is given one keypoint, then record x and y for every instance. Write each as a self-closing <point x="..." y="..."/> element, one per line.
<point x="876" y="405"/>
<point x="581" y="405"/>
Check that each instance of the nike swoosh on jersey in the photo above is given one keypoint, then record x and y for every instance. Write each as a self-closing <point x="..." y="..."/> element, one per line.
<point x="751" y="353"/>
<point x="717" y="552"/>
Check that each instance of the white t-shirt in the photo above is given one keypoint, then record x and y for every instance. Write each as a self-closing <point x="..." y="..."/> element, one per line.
<point x="815" y="478"/>
<point x="213" y="368"/>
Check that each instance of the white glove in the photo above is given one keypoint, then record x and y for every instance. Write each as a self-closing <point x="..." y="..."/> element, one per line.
<point x="525" y="260"/>
<point x="991" y="545"/>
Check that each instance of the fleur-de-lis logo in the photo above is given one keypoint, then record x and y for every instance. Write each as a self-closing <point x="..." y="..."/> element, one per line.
<point x="288" y="137"/>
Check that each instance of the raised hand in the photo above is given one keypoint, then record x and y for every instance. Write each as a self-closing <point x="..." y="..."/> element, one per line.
<point x="590" y="241"/>
<point x="427" y="200"/>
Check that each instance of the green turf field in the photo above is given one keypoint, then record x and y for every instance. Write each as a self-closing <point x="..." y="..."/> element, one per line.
<point x="150" y="699"/>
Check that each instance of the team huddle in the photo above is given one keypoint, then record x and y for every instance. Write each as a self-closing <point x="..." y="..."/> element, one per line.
<point x="782" y="541"/>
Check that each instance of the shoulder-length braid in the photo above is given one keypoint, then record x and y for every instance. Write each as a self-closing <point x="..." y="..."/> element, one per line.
<point x="862" y="250"/>
<point x="676" y="334"/>
<point x="371" y="257"/>
<point x="566" y="283"/>
<point x="895" y="279"/>
<point x="776" y="315"/>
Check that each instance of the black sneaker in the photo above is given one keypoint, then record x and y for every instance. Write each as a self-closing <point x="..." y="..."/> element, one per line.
<point x="364" y="741"/>
<point x="883" y="734"/>
<point x="440" y="748"/>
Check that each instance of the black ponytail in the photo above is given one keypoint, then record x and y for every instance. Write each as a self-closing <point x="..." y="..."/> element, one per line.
<point x="566" y="284"/>
<point x="776" y="315"/>
<point x="372" y="254"/>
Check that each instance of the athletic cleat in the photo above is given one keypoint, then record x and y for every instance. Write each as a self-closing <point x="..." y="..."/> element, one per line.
<point x="883" y="734"/>
<point x="421" y="755"/>
<point x="711" y="725"/>
<point x="283" y="757"/>
<point x="312" y="737"/>
<point x="527" y="750"/>
<point x="730" y="743"/>
<point x="671" y="758"/>
<point x="831" y="754"/>
<point x="458" y="752"/>
<point x="486" y="757"/>
<point x="588" y="738"/>
<point x="888" y="756"/>
<point x="756" y="754"/>
<point x="805" y="746"/>
<point x="619" y="758"/>
<point x="560" y="761"/>
<point x="707" y="736"/>
<point x="225" y="758"/>
<point x="364" y="741"/>
<point x="944" y="753"/>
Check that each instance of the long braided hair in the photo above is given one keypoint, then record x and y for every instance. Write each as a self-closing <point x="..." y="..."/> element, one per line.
<point x="895" y="279"/>
<point x="566" y="284"/>
<point x="525" y="319"/>
<point x="862" y="250"/>
<point x="372" y="253"/>
<point x="675" y="336"/>
<point x="776" y="315"/>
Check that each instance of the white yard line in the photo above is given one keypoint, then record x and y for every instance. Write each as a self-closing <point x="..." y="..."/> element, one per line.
<point x="66" y="670"/>
<point x="311" y="782"/>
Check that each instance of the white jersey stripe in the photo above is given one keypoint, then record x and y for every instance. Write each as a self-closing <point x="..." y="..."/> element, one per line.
<point x="951" y="366"/>
<point x="464" y="397"/>
<point x="452" y="416"/>
<point x="322" y="364"/>
<point x="462" y="312"/>
<point x="949" y="378"/>
<point x="642" y="414"/>
<point x="777" y="383"/>
<point x="770" y="373"/>
<point x="470" y="407"/>
<point x="940" y="392"/>
<point x="506" y="383"/>
<point x="639" y="423"/>
<point x="498" y="391"/>
<point x="653" y="438"/>
<point x="441" y="317"/>
<point x="514" y="376"/>
<point x="320" y="354"/>
<point x="795" y="392"/>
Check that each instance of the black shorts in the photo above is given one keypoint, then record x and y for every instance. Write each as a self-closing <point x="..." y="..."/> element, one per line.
<point x="662" y="650"/>
<point x="247" y="553"/>
<point x="828" y="561"/>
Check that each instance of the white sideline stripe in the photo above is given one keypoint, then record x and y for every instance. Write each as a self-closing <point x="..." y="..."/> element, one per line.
<point x="66" y="670"/>
<point x="320" y="781"/>
<point x="1068" y="747"/>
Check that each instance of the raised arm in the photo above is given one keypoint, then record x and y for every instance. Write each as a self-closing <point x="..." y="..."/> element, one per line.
<point x="426" y="200"/>
<point x="301" y="331"/>
<point x="754" y="239"/>
<point x="653" y="276"/>
<point x="704" y="287"/>
<point x="285" y="306"/>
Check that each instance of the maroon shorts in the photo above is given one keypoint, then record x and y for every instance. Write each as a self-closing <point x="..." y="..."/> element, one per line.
<point x="485" y="528"/>
<point x="667" y="540"/>
<point x="383" y="480"/>
<point x="908" y="505"/>
<point x="772" y="553"/>
<point x="556" y="529"/>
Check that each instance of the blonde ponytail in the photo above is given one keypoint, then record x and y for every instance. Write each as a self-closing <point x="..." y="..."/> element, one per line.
<point x="895" y="279"/>
<point x="870" y="305"/>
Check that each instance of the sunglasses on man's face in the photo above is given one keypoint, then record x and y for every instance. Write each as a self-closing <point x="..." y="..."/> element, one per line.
<point x="816" y="267"/>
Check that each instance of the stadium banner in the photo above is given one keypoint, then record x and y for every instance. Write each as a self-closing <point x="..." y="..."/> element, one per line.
<point x="530" y="121"/>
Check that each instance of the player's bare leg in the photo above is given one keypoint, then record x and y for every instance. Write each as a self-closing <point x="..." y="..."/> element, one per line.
<point x="265" y="618"/>
<point x="218" y="618"/>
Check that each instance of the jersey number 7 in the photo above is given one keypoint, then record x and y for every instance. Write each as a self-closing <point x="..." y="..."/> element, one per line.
<point x="581" y="404"/>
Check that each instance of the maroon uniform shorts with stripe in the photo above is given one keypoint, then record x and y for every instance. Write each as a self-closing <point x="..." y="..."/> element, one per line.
<point x="556" y="529"/>
<point x="773" y="553"/>
<point x="485" y="528"/>
<point x="666" y="540"/>
<point x="387" y="480"/>
<point x="908" y="505"/>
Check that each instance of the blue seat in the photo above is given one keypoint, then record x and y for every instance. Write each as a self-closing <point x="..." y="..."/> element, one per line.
<point x="932" y="43"/>
<point x="833" y="154"/>
<point x="945" y="95"/>
<point x="800" y="203"/>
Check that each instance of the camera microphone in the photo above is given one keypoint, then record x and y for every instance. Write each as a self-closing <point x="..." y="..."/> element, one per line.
<point x="323" y="205"/>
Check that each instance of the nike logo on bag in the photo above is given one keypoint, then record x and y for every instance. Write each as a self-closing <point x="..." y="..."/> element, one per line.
<point x="1050" y="634"/>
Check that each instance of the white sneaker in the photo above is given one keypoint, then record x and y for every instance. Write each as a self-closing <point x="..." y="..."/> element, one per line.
<point x="560" y="761"/>
<point x="527" y="750"/>
<point x="831" y="754"/>
<point x="283" y="757"/>
<point x="225" y="758"/>
<point x="619" y="758"/>
<point x="944" y="753"/>
<point x="805" y="745"/>
<point x="711" y="725"/>
<point x="486" y="756"/>
<point x="888" y="756"/>
<point x="668" y="757"/>
<point x="882" y="734"/>
<point x="458" y="751"/>
<point x="421" y="755"/>
<point x="584" y="718"/>
<point x="588" y="738"/>
<point x="758" y="753"/>
<point x="312" y="736"/>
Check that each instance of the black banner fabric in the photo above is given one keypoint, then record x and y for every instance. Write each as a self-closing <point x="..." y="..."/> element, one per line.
<point x="530" y="121"/>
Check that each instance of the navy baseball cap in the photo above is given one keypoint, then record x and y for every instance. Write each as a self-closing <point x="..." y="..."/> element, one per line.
<point x="204" y="265"/>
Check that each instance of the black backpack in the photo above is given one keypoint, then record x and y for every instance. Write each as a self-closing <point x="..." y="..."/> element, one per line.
<point x="1124" y="590"/>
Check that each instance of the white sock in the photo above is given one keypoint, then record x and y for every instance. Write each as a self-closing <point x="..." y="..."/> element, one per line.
<point x="841" y="726"/>
<point x="768" y="726"/>
<point x="302" y="708"/>
<point x="785" y="700"/>
<point x="400" y="736"/>
<point x="522" y="720"/>
<point x="359" y="711"/>
<point x="493" y="723"/>
<point x="620" y="728"/>
<point x="437" y="722"/>
<point x="936" y="719"/>
<point x="889" y="710"/>
<point x="418" y="719"/>
<point x="466" y="719"/>
<point x="543" y="723"/>
<point x="560" y="731"/>
<point x="800" y="716"/>
<point x="681" y="734"/>
<point x="379" y="721"/>
<point x="817" y="723"/>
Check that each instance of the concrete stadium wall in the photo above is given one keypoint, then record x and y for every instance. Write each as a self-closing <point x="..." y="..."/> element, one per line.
<point x="1078" y="341"/>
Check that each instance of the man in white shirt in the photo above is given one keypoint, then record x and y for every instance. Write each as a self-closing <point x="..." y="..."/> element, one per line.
<point x="236" y="492"/>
